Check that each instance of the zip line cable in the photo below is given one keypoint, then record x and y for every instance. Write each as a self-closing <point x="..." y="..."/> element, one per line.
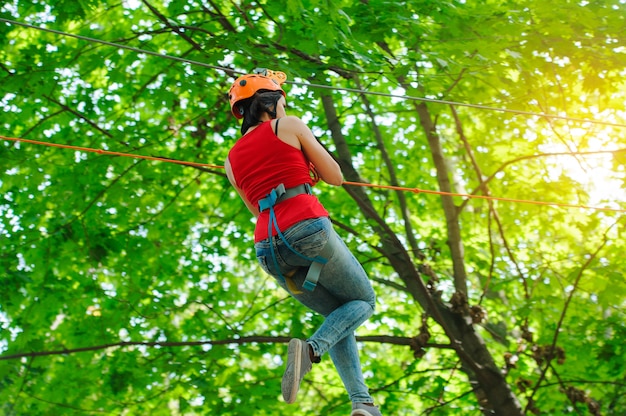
<point x="362" y="184"/>
<point x="320" y="86"/>
<point x="310" y="85"/>
<point x="115" y="45"/>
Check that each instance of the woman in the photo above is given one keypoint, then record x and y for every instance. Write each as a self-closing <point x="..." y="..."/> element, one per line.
<point x="269" y="166"/>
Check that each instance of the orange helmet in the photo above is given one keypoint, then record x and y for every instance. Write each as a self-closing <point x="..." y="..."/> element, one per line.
<point x="247" y="85"/>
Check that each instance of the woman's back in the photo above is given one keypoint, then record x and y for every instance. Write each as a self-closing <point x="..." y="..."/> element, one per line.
<point x="260" y="161"/>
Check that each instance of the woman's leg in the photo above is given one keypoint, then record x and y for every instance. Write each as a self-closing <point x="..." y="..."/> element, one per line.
<point x="343" y="295"/>
<point x="345" y="356"/>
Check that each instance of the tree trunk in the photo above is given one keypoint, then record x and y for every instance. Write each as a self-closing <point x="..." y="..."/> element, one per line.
<point x="494" y="394"/>
<point x="450" y="210"/>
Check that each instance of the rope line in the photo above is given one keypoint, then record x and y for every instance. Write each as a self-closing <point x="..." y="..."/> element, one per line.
<point x="320" y="86"/>
<point x="486" y="197"/>
<point x="349" y="183"/>
<point x="109" y="153"/>
<point x="115" y="45"/>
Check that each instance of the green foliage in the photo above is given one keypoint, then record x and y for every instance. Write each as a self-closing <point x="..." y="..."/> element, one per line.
<point x="130" y="286"/>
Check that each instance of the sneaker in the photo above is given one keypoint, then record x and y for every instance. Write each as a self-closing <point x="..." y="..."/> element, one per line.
<point x="362" y="409"/>
<point x="298" y="364"/>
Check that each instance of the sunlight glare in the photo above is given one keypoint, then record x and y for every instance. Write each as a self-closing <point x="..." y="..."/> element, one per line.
<point x="591" y="166"/>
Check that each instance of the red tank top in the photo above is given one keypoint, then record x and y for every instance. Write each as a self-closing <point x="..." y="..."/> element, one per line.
<point x="260" y="161"/>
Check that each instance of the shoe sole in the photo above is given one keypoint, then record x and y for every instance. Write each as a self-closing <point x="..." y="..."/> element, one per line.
<point x="364" y="412"/>
<point x="360" y="412"/>
<point x="290" y="387"/>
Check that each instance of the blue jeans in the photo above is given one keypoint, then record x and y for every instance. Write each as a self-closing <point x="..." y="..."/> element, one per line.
<point x="344" y="295"/>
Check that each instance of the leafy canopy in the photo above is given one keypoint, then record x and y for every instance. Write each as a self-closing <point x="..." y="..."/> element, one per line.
<point x="130" y="286"/>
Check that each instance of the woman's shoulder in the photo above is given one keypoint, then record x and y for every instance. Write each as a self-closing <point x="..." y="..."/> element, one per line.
<point x="291" y="125"/>
<point x="291" y="120"/>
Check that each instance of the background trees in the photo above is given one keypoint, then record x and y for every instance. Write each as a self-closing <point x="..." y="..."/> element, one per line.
<point x="141" y="271"/>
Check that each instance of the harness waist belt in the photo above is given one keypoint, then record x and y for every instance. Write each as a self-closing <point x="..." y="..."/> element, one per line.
<point x="280" y="194"/>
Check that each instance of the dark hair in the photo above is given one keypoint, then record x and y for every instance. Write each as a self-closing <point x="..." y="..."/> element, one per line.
<point x="263" y="101"/>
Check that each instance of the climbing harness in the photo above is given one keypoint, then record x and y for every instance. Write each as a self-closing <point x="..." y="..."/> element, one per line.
<point x="280" y="194"/>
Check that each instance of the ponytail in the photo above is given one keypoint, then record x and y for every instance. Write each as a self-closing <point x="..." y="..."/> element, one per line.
<point x="254" y="107"/>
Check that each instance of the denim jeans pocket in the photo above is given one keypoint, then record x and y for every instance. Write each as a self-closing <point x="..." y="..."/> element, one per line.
<point x="311" y="245"/>
<point x="307" y="238"/>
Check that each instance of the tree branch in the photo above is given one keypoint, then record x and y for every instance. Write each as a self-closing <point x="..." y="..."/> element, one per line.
<point x="492" y="209"/>
<point x="261" y="339"/>
<point x="557" y="331"/>
<point x="79" y="115"/>
<point x="404" y="210"/>
<point x="174" y="28"/>
<point x="481" y="186"/>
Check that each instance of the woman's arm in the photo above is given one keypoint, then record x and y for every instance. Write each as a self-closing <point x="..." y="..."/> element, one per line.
<point x="231" y="178"/>
<point x="295" y="132"/>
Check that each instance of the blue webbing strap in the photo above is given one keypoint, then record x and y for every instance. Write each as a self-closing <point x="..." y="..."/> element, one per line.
<point x="313" y="275"/>
<point x="318" y="262"/>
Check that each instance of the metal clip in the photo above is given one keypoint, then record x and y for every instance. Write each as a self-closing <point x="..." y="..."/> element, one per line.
<point x="277" y="76"/>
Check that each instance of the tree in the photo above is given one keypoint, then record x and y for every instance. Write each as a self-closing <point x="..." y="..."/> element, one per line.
<point x="483" y="145"/>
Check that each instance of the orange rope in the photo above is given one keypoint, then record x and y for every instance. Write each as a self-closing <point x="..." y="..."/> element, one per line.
<point x="392" y="187"/>
<point x="109" y="153"/>
<point x="492" y="198"/>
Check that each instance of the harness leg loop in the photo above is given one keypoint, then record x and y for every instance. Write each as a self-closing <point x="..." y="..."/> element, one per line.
<point x="277" y="195"/>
